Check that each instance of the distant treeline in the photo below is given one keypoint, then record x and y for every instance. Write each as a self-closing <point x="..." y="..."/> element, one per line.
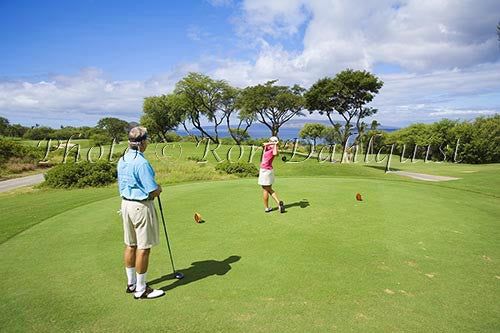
<point x="104" y="132"/>
<point x="475" y="142"/>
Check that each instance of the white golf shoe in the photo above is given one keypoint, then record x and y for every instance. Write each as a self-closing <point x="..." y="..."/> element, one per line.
<point x="148" y="293"/>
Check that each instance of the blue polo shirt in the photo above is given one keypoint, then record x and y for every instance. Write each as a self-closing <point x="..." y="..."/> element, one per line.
<point x="136" y="177"/>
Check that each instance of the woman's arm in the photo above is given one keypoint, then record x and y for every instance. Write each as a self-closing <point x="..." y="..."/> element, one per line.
<point x="275" y="150"/>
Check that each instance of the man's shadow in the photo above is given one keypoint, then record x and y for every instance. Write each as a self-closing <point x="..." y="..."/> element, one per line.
<point x="198" y="270"/>
<point x="304" y="203"/>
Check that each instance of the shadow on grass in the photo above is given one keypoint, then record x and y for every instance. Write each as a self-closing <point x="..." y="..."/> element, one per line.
<point x="198" y="270"/>
<point x="381" y="167"/>
<point x="304" y="203"/>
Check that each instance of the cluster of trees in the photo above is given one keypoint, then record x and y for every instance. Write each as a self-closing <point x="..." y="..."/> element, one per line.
<point x="198" y="97"/>
<point x="106" y="130"/>
<point x="333" y="135"/>
<point x="474" y="142"/>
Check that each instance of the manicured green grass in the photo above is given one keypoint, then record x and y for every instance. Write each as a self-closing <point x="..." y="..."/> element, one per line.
<point x="22" y="208"/>
<point x="412" y="256"/>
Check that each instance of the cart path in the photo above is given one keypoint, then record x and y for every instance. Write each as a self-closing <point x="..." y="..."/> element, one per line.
<point x="11" y="184"/>
<point x="424" y="176"/>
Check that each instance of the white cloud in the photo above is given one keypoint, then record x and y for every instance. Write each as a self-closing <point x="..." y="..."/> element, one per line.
<point x="275" y="18"/>
<point x="83" y="98"/>
<point x="452" y="112"/>
<point x="418" y="35"/>
<point x="448" y="50"/>
<point x="407" y="98"/>
<point x="404" y="98"/>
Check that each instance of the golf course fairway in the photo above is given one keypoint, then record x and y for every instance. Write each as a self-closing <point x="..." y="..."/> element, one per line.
<point x="409" y="257"/>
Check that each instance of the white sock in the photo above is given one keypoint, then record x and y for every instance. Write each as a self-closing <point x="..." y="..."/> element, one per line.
<point x="141" y="282"/>
<point x="130" y="275"/>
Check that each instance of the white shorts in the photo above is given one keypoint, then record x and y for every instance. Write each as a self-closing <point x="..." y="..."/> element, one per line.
<point x="266" y="177"/>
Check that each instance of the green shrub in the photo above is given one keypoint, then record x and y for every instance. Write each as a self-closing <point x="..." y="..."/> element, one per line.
<point x="196" y="158"/>
<point x="38" y="133"/>
<point x="173" y="137"/>
<point x="100" y="139"/>
<point x="188" y="138"/>
<point x="10" y="149"/>
<point x="227" y="141"/>
<point x="69" y="175"/>
<point x="241" y="169"/>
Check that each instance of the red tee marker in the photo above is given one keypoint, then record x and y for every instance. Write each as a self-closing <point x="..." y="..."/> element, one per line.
<point x="358" y="197"/>
<point x="197" y="218"/>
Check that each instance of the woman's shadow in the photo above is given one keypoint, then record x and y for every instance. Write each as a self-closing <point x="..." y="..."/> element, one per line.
<point x="198" y="270"/>
<point x="304" y="203"/>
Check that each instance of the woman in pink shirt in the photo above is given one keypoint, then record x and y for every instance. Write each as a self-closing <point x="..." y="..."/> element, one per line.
<point x="266" y="174"/>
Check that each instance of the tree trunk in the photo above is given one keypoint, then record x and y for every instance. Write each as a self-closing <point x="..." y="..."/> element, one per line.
<point x="274" y="131"/>
<point x="231" y="132"/>
<point x="189" y="133"/>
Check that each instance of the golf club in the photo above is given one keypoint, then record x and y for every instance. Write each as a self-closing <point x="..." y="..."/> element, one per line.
<point x="177" y="275"/>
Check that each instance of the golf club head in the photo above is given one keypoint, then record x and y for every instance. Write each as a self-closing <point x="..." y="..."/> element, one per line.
<point x="178" y="275"/>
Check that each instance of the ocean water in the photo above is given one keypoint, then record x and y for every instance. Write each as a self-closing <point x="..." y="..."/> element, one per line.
<point x="260" y="131"/>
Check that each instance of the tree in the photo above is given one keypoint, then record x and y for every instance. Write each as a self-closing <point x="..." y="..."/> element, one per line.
<point x="312" y="132"/>
<point x="4" y="126"/>
<point x="161" y="114"/>
<point x="479" y="140"/>
<point x="205" y="97"/>
<point x="375" y="124"/>
<point x="115" y="127"/>
<point x="17" y="130"/>
<point x="333" y="135"/>
<point x="346" y="94"/>
<point x="240" y="132"/>
<point x="239" y="135"/>
<point x="39" y="133"/>
<point x="271" y="105"/>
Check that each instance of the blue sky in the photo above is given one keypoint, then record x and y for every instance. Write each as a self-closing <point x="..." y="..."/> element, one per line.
<point x="125" y="39"/>
<point x="74" y="62"/>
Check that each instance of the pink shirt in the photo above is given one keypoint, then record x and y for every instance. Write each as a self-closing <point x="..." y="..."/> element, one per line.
<point x="267" y="159"/>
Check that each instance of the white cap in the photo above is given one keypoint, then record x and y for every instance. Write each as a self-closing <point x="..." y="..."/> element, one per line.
<point x="273" y="139"/>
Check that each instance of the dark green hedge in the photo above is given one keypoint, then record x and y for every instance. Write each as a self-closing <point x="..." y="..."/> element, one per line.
<point x="83" y="174"/>
<point x="241" y="169"/>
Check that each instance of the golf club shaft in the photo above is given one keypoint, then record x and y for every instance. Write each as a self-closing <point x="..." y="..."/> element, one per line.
<point x="166" y="235"/>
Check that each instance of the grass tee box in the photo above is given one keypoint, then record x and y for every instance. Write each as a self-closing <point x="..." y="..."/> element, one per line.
<point x="412" y="256"/>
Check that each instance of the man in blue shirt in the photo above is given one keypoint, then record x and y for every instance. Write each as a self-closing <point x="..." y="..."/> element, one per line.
<point x="138" y="188"/>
